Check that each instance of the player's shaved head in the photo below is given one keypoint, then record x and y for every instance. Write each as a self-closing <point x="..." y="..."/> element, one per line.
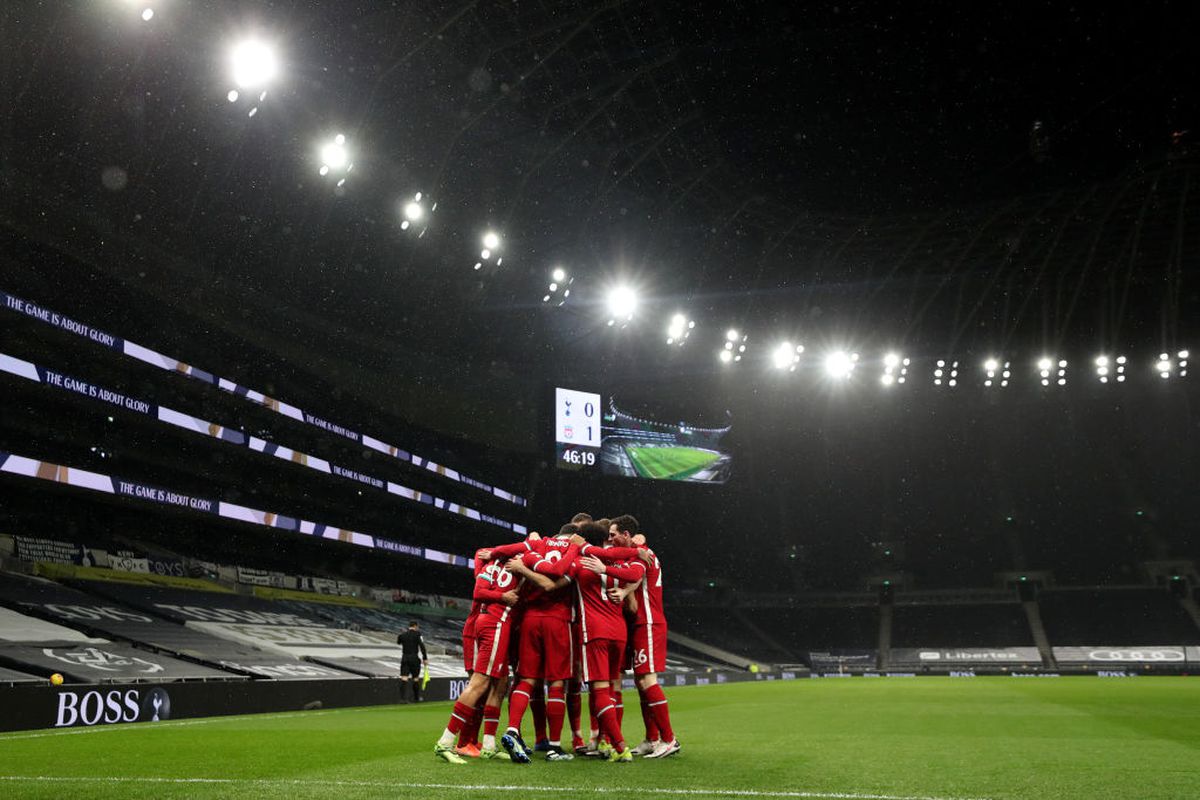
<point x="627" y="523"/>
<point x="581" y="518"/>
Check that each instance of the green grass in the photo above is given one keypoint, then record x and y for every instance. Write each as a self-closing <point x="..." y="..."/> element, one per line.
<point x="669" y="463"/>
<point x="1002" y="738"/>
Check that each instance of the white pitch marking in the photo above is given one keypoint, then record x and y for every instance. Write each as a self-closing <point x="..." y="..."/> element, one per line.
<point x="471" y="787"/>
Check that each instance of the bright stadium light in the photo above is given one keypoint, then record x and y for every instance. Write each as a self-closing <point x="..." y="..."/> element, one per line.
<point x="491" y="240"/>
<point x="786" y="356"/>
<point x="559" y="274"/>
<point x="991" y="367"/>
<point x="622" y="303"/>
<point x="945" y="373"/>
<point x="735" y="346"/>
<point x="839" y="364"/>
<point x="1164" y="366"/>
<point x="416" y="213"/>
<point x="1045" y="364"/>
<point x="1183" y="359"/>
<point x="254" y="65"/>
<point x="334" y="156"/>
<point x="895" y="369"/>
<point x="679" y="329"/>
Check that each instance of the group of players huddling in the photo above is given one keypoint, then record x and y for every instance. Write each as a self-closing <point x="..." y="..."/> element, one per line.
<point x="577" y="608"/>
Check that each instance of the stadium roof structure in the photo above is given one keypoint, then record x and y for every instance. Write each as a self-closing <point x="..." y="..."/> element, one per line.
<point x="955" y="179"/>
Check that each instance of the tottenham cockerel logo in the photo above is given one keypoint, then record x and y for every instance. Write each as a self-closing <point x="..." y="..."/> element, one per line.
<point x="95" y="658"/>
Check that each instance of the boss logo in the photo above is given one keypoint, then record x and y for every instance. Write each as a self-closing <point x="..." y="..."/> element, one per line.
<point x="107" y="708"/>
<point x="457" y="687"/>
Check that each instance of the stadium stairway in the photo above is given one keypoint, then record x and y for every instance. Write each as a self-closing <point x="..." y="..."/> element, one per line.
<point x="885" y="635"/>
<point x="763" y="635"/>
<point x="716" y="653"/>
<point x="1034" y="615"/>
<point x="1189" y="605"/>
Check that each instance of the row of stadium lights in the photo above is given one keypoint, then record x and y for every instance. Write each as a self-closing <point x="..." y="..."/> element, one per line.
<point x="254" y="66"/>
<point x="841" y="365"/>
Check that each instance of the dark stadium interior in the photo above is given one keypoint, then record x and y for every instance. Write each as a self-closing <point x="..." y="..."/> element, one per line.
<point x="810" y="174"/>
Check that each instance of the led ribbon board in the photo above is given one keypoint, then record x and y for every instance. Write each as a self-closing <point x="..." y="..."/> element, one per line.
<point x="169" y="364"/>
<point x="108" y="484"/>
<point x="48" y="377"/>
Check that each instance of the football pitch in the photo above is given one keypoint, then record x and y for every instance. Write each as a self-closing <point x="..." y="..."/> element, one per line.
<point x="669" y="463"/>
<point x="856" y="739"/>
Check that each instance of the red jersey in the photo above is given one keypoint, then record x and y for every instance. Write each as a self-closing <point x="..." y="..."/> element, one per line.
<point x="476" y="605"/>
<point x="490" y="584"/>
<point x="601" y="617"/>
<point x="649" y="594"/>
<point x="553" y="561"/>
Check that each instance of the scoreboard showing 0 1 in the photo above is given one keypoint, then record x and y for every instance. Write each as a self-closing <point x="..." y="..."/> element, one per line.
<point x="577" y="429"/>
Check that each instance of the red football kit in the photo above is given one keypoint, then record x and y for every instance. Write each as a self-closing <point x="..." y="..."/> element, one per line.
<point x="468" y="632"/>
<point x="493" y="624"/>
<point x="648" y="634"/>
<point x="545" y="639"/>
<point x="600" y="619"/>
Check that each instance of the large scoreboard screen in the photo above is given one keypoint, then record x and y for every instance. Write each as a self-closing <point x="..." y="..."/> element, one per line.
<point x="593" y="433"/>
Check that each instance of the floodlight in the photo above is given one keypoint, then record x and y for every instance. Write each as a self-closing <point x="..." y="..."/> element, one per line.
<point x="891" y="360"/>
<point x="784" y="356"/>
<point x="254" y="64"/>
<point x="559" y="275"/>
<point x="679" y="329"/>
<point x="622" y="302"/>
<point x="731" y="335"/>
<point x="334" y="155"/>
<point x="725" y="356"/>
<point x="491" y="240"/>
<point x="1045" y="364"/>
<point x="839" y="364"/>
<point x="991" y="365"/>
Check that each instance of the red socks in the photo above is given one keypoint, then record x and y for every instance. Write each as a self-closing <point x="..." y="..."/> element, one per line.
<point x="491" y="720"/>
<point x="538" y="706"/>
<point x="459" y="717"/>
<point x="574" y="707"/>
<point x="470" y="730"/>
<point x="518" y="702"/>
<point x="556" y="710"/>
<point x="606" y="714"/>
<point x="619" y="704"/>
<point x="657" y="702"/>
<point x="648" y="718"/>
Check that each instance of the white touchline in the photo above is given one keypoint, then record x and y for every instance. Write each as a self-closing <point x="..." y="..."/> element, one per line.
<point x="173" y="723"/>
<point x="472" y="787"/>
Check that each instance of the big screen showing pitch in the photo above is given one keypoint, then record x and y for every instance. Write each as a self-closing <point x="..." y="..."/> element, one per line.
<point x="593" y="434"/>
